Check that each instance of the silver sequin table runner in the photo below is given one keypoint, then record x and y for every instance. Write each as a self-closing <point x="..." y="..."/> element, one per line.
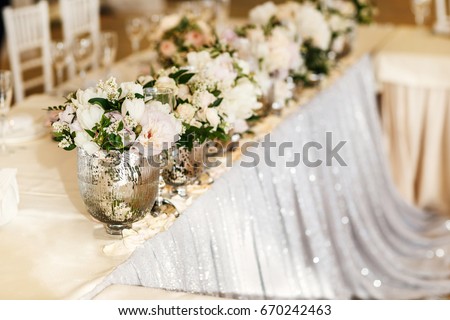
<point x="329" y="231"/>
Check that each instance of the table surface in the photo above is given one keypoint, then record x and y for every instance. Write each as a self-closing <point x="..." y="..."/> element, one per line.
<point x="415" y="57"/>
<point x="52" y="249"/>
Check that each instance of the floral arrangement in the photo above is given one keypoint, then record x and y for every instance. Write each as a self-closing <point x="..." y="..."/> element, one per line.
<point x="114" y="117"/>
<point x="341" y="19"/>
<point x="306" y="21"/>
<point x="178" y="35"/>
<point x="215" y="93"/>
<point x="272" y="52"/>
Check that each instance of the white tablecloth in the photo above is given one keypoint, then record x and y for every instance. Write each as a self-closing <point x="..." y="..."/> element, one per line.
<point x="414" y="69"/>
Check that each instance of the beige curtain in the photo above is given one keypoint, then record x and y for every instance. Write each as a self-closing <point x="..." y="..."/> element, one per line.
<point x="416" y="123"/>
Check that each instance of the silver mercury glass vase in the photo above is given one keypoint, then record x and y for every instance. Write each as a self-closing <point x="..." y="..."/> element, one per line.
<point x="117" y="189"/>
<point x="183" y="168"/>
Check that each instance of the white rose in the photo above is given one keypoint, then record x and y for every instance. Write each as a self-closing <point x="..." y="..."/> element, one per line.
<point x="312" y="25"/>
<point x="134" y="107"/>
<point x="203" y="99"/>
<point x="213" y="117"/>
<point x="184" y="92"/>
<point x="84" y="141"/>
<point x="130" y="89"/>
<point x="89" y="116"/>
<point x="186" y="112"/>
<point x="167" y="83"/>
<point x="261" y="14"/>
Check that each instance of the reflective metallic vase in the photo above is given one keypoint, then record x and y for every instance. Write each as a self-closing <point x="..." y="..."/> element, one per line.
<point x="183" y="167"/>
<point x="117" y="189"/>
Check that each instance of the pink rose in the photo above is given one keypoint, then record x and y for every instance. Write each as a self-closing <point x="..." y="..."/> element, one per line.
<point x="167" y="48"/>
<point x="195" y="39"/>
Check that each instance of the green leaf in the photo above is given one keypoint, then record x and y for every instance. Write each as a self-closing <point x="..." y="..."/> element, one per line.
<point x="90" y="133"/>
<point x="150" y="84"/>
<point x="102" y="102"/>
<point x="216" y="103"/>
<point x="178" y="74"/>
<point x="138" y="96"/>
<point x="185" y="78"/>
<point x="120" y="127"/>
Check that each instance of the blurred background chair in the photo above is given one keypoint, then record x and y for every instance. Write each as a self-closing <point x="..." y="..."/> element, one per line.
<point x="28" y="42"/>
<point x="80" y="18"/>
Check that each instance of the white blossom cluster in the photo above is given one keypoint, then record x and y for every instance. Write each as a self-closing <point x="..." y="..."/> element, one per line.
<point x="115" y="117"/>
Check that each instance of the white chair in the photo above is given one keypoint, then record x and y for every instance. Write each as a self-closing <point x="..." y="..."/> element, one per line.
<point x="442" y="24"/>
<point x="28" y="30"/>
<point x="80" y="17"/>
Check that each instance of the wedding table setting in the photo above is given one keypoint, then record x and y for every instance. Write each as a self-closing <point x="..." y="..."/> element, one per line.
<point x="86" y="213"/>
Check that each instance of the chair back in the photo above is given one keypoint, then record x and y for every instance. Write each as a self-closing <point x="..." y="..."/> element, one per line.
<point x="29" y="47"/>
<point x="80" y="17"/>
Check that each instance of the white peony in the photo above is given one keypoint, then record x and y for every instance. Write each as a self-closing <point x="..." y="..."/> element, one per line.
<point x="85" y="142"/>
<point x="284" y="55"/>
<point x="130" y="89"/>
<point x="261" y="14"/>
<point x="311" y="24"/>
<point x="134" y="107"/>
<point x="241" y="101"/>
<point x="159" y="131"/>
<point x="221" y="71"/>
<point x="88" y="116"/>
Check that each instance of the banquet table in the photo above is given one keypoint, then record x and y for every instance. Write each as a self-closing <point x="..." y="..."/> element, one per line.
<point x="258" y="232"/>
<point x="413" y="67"/>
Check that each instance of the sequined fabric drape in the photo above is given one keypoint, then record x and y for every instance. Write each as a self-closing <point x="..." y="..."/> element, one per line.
<point x="303" y="232"/>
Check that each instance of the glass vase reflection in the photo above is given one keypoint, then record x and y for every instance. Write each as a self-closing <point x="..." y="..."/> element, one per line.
<point x="117" y="189"/>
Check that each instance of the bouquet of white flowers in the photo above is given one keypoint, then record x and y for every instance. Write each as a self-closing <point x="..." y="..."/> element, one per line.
<point x="115" y="117"/>
<point x="272" y="52"/>
<point x="177" y="35"/>
<point x="214" y="93"/>
<point x="308" y="24"/>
